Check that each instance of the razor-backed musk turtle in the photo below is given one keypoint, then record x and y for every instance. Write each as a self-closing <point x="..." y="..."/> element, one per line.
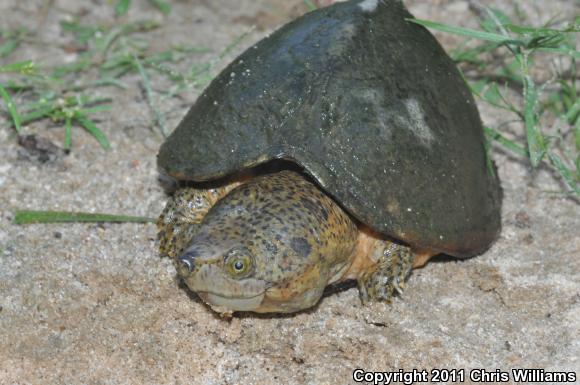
<point x="389" y="164"/>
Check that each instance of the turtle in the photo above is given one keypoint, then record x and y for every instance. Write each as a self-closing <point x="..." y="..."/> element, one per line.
<point x="344" y="146"/>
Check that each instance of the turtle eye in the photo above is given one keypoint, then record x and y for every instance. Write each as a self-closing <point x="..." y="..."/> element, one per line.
<point x="239" y="263"/>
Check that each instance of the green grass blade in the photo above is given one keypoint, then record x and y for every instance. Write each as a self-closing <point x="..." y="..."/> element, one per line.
<point x="162" y="6"/>
<point x="234" y="44"/>
<point x="561" y="50"/>
<point x="11" y="107"/>
<point x="67" y="133"/>
<point x="97" y="83"/>
<point x="310" y="5"/>
<point x="494" y="21"/>
<point x="536" y="145"/>
<point x="18" y="87"/>
<point x="8" y="47"/>
<point x="149" y="94"/>
<point x="40" y="113"/>
<point x="24" y="67"/>
<point x="80" y="65"/>
<point x="490" y="93"/>
<point x="573" y="112"/>
<point x="120" y="71"/>
<point x="577" y="135"/>
<point x="92" y="110"/>
<point x="105" y="42"/>
<point x="521" y="30"/>
<point x="188" y="49"/>
<point x="82" y="33"/>
<point x="507" y="143"/>
<point x="487" y="145"/>
<point x="463" y="54"/>
<point x="472" y="33"/>
<point x="122" y="7"/>
<point x="93" y="130"/>
<point x="566" y="174"/>
<point x="23" y="217"/>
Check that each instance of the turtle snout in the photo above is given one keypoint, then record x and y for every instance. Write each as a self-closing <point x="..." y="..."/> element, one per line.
<point x="185" y="265"/>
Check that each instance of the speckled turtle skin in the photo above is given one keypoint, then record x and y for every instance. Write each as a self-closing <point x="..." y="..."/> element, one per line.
<point x="372" y="108"/>
<point x="291" y="239"/>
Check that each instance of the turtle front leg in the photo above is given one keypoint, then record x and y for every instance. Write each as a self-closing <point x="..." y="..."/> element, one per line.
<point x="179" y="221"/>
<point x="381" y="280"/>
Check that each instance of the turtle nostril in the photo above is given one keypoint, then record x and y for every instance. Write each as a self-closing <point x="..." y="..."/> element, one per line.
<point x="185" y="264"/>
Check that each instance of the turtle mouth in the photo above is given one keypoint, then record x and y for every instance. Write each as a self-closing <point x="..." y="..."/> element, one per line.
<point x="224" y="303"/>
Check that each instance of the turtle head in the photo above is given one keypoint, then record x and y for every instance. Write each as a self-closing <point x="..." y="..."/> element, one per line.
<point x="254" y="269"/>
<point x="223" y="277"/>
<point x="261" y="248"/>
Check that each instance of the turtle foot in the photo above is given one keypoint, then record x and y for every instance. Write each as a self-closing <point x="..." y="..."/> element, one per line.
<point x="381" y="281"/>
<point x="180" y="219"/>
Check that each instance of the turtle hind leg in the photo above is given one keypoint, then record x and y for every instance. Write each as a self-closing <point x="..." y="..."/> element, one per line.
<point x="380" y="281"/>
<point x="181" y="218"/>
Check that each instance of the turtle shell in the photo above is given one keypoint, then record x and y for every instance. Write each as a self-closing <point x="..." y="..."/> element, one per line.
<point x="371" y="107"/>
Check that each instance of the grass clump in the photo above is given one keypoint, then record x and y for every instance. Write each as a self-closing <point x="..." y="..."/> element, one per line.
<point x="106" y="55"/>
<point x="553" y="140"/>
<point x="73" y="94"/>
<point x="122" y="6"/>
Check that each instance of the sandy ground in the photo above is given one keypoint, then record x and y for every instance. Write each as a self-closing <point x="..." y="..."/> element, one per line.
<point x="95" y="304"/>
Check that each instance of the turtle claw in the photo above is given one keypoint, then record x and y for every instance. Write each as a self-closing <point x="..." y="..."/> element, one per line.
<point x="388" y="276"/>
